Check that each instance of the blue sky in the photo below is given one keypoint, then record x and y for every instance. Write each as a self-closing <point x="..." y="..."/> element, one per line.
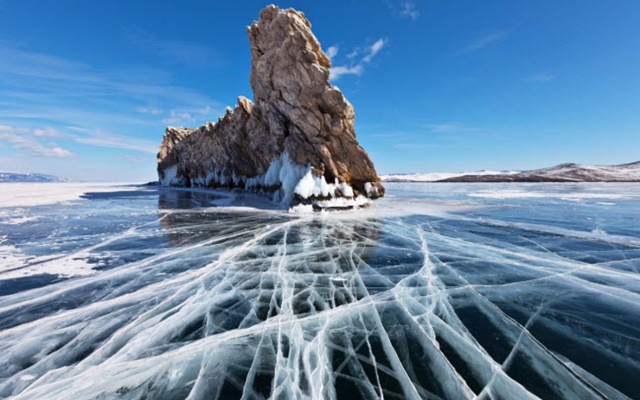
<point x="87" y="87"/>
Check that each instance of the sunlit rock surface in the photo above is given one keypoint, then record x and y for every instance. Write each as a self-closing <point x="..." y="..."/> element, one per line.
<point x="297" y="141"/>
<point x="446" y="291"/>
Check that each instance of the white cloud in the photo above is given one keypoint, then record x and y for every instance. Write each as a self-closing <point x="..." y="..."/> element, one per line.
<point x="374" y="49"/>
<point x="11" y="129"/>
<point x="103" y="139"/>
<point x="21" y="138"/>
<point x="353" y="54"/>
<point x="48" y="132"/>
<point x="332" y="52"/>
<point x="406" y="8"/>
<point x="28" y="139"/>
<point x="337" y="72"/>
<point x="452" y="127"/>
<point x="149" y="110"/>
<point x="177" y="117"/>
<point x="409" y="9"/>
<point x="47" y="87"/>
<point x="357" y="68"/>
<point x="57" y="152"/>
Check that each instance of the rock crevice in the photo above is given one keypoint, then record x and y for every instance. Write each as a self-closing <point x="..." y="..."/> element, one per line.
<point x="297" y="140"/>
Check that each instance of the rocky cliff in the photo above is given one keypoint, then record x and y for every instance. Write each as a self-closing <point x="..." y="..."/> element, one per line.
<point x="297" y="141"/>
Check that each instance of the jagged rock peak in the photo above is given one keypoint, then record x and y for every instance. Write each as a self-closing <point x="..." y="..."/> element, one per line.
<point x="297" y="140"/>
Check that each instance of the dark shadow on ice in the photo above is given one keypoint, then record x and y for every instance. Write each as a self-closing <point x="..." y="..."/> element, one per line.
<point x="11" y="286"/>
<point x="184" y="198"/>
<point x="169" y="199"/>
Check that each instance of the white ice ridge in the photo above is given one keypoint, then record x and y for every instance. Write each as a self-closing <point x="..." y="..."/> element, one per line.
<point x="286" y="179"/>
<point x="320" y="307"/>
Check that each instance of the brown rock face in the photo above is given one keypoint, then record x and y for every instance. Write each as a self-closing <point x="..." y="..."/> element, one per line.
<point x="298" y="124"/>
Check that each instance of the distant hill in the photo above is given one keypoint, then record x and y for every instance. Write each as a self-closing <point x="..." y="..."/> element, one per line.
<point x="438" y="176"/>
<point x="17" y="177"/>
<point x="560" y="173"/>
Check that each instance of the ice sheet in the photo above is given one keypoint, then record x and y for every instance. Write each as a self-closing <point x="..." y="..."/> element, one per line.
<point x="429" y="293"/>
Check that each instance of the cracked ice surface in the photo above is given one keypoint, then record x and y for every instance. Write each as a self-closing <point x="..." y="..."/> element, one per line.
<point x="440" y="291"/>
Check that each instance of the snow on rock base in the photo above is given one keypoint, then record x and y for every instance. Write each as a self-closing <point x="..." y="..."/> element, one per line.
<point x="287" y="183"/>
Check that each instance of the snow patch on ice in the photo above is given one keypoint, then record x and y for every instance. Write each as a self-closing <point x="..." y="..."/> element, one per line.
<point x="15" y="264"/>
<point x="301" y="209"/>
<point x="16" y="216"/>
<point x="522" y="194"/>
<point x="341" y="202"/>
<point x="37" y="194"/>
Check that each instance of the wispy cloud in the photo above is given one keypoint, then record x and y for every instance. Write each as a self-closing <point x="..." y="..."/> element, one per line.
<point x="407" y="8"/>
<point x="541" y="77"/>
<point x="178" y="117"/>
<point x="337" y="72"/>
<point x="149" y="110"/>
<point x="32" y="139"/>
<point x="42" y="89"/>
<point x="103" y="139"/>
<point x="118" y="106"/>
<point x="23" y="139"/>
<point x="39" y="65"/>
<point x="48" y="132"/>
<point x="415" y="146"/>
<point x="452" y="127"/>
<point x="13" y="129"/>
<point x="332" y="51"/>
<point x="374" y="49"/>
<point x="358" y="67"/>
<point x="187" y="116"/>
<point x="484" y="41"/>
<point x="186" y="53"/>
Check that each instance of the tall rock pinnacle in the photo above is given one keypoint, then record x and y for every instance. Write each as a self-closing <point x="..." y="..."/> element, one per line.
<point x="297" y="141"/>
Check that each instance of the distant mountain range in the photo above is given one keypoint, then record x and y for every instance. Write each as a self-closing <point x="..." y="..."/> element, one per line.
<point x="18" y="177"/>
<point x="560" y="173"/>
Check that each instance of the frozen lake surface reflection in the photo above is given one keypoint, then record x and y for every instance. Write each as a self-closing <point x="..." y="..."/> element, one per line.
<point x="438" y="291"/>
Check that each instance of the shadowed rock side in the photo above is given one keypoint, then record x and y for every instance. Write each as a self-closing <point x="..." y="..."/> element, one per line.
<point x="297" y="141"/>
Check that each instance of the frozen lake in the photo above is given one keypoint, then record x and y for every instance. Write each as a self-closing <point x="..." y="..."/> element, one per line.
<point x="439" y="291"/>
